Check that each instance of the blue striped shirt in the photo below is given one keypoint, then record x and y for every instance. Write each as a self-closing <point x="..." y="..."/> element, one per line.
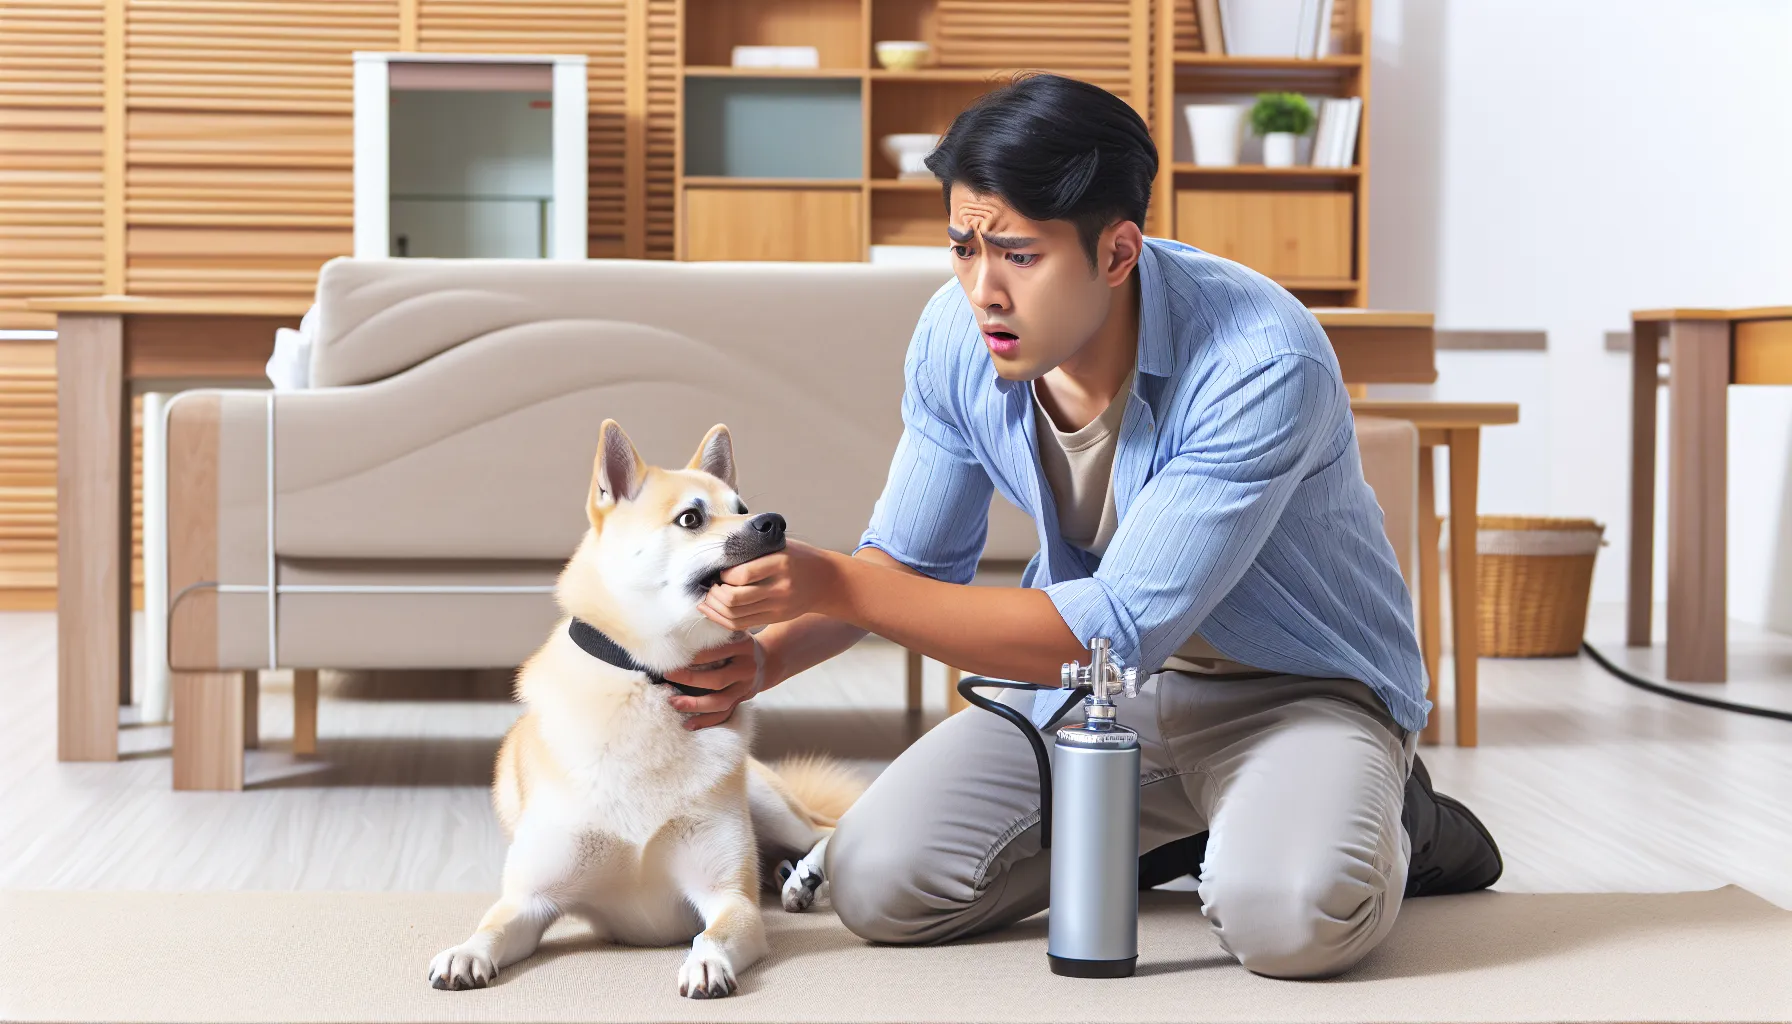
<point x="1243" y="514"/>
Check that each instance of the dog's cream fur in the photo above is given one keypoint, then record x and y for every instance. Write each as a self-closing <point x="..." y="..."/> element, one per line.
<point x="615" y="811"/>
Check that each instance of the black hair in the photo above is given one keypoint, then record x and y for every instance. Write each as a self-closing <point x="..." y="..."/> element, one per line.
<point x="1053" y="148"/>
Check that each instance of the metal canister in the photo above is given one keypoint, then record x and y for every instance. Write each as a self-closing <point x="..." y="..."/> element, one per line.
<point x="1093" y="931"/>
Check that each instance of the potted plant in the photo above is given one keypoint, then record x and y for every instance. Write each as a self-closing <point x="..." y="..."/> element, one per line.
<point x="1280" y="117"/>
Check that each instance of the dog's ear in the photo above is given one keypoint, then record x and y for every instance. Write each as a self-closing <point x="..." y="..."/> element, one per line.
<point x="715" y="455"/>
<point x="618" y="473"/>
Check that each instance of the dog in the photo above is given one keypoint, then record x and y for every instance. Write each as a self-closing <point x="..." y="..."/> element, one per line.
<point x="615" y="812"/>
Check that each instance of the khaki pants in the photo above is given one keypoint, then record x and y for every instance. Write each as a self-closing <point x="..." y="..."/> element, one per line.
<point x="1299" y="782"/>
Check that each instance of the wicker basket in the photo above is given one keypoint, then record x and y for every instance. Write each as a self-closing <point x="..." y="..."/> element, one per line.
<point x="1536" y="577"/>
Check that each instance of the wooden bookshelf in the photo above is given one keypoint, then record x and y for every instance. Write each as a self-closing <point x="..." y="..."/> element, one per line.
<point x="1306" y="227"/>
<point x="753" y="195"/>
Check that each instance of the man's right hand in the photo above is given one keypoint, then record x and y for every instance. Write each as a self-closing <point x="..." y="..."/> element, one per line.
<point x="735" y="672"/>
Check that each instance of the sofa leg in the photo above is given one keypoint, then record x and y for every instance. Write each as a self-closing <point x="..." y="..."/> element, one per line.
<point x="304" y="711"/>
<point x="208" y="729"/>
<point x="251" y="710"/>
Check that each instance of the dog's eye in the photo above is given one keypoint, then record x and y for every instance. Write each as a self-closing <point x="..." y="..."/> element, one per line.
<point x="690" y="519"/>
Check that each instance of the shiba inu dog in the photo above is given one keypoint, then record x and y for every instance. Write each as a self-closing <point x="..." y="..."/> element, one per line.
<point x="616" y="813"/>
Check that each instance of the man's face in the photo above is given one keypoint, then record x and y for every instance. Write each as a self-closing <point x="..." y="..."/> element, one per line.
<point x="1036" y="298"/>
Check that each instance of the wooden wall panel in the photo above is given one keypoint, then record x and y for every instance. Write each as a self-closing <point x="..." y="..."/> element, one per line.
<point x="662" y="127"/>
<point x="28" y="478"/>
<point x="1087" y="39"/>
<point x="595" y="28"/>
<point x="27" y="466"/>
<point x="51" y="71"/>
<point x="238" y="141"/>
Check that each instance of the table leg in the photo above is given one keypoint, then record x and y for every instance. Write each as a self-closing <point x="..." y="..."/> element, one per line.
<point x="914" y="679"/>
<point x="93" y="540"/>
<point x="1698" y="396"/>
<point x="1465" y="586"/>
<point x="955" y="701"/>
<point x="1645" y="379"/>
<point x="1431" y="628"/>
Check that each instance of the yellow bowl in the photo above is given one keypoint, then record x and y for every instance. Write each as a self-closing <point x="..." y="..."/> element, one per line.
<point x="903" y="55"/>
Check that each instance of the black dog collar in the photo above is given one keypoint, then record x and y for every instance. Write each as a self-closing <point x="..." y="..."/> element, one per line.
<point x="592" y="641"/>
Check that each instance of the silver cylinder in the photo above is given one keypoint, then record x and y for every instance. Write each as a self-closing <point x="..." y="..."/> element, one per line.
<point x="1093" y="928"/>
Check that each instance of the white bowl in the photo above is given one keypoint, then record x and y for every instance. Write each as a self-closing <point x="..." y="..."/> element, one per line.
<point x="902" y="54"/>
<point x="908" y="152"/>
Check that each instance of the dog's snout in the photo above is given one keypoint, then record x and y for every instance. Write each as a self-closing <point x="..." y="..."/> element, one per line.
<point x="770" y="524"/>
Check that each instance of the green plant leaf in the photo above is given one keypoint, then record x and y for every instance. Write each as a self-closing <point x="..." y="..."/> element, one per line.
<point x="1281" y="112"/>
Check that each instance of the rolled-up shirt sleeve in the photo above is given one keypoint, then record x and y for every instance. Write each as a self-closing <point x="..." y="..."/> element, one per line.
<point x="1201" y="520"/>
<point x="933" y="515"/>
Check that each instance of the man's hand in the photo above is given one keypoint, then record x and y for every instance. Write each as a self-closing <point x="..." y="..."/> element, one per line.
<point x="775" y="588"/>
<point x="735" y="671"/>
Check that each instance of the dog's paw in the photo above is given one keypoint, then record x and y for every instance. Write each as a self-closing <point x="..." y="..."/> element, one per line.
<point x="801" y="883"/>
<point x="706" y="974"/>
<point x="461" y="967"/>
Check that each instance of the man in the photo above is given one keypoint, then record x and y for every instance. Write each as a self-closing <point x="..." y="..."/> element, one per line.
<point x="1177" y="427"/>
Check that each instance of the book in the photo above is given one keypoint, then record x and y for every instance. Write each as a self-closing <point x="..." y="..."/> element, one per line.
<point x="1340" y="148"/>
<point x="1322" y="135"/>
<point x="1264" y="28"/>
<point x="1322" y="32"/>
<point x="1207" y="16"/>
<point x="1347" y="145"/>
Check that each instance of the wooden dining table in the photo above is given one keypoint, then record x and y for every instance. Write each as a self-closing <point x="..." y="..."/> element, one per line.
<point x="107" y="348"/>
<point x="1706" y="351"/>
<point x="1456" y="428"/>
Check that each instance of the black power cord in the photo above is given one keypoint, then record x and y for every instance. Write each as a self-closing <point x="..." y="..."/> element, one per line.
<point x="967" y="690"/>
<point x="1690" y="698"/>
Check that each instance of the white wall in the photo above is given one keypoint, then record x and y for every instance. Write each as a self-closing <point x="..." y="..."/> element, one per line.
<point x="1554" y="164"/>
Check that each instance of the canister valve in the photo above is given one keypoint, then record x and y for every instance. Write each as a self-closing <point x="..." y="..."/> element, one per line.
<point x="1104" y="676"/>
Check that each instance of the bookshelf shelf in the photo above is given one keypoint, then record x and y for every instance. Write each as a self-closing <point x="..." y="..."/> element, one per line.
<point x="1260" y="171"/>
<point x="904" y="185"/>
<point x="976" y="75"/>
<point x="723" y="71"/>
<point x="1223" y="62"/>
<point x="729" y="181"/>
<point x="1319" y="284"/>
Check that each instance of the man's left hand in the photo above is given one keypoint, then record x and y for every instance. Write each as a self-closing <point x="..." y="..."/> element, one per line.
<point x="775" y="588"/>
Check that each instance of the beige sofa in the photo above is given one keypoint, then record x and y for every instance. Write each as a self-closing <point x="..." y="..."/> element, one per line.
<point x="412" y="507"/>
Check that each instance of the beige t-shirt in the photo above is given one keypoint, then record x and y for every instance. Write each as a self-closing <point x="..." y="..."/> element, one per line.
<point x="1079" y="466"/>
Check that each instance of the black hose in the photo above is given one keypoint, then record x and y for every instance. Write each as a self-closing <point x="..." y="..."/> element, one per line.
<point x="1690" y="698"/>
<point x="966" y="689"/>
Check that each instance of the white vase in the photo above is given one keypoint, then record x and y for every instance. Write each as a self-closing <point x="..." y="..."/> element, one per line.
<point x="1278" y="149"/>
<point x="1215" y="130"/>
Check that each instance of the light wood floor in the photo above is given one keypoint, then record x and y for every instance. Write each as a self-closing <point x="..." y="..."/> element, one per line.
<point x="1588" y="784"/>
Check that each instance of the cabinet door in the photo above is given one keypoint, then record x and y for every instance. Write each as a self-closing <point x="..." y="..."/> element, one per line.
<point x="734" y="223"/>
<point x="1301" y="239"/>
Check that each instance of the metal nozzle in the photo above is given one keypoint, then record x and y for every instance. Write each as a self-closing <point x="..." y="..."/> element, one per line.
<point x="1103" y="675"/>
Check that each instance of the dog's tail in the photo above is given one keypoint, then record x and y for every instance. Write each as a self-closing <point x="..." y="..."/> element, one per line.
<point x="822" y="786"/>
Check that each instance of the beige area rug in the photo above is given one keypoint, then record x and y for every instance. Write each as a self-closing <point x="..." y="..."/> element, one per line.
<point x="1723" y="955"/>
